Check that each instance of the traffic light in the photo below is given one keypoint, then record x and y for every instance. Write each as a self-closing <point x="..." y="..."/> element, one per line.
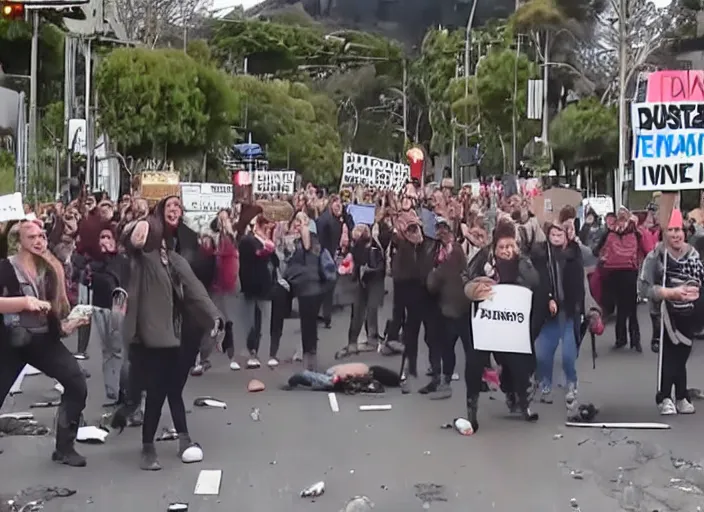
<point x="12" y="10"/>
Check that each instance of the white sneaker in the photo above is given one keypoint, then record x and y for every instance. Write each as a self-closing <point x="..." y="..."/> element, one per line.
<point x="272" y="363"/>
<point x="455" y="376"/>
<point x="667" y="407"/>
<point x="685" y="407"/>
<point x="297" y="357"/>
<point x="58" y="387"/>
<point x="571" y="394"/>
<point x="253" y="363"/>
<point x="234" y="366"/>
<point x="193" y="453"/>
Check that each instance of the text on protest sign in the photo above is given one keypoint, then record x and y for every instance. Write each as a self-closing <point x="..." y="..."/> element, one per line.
<point x="676" y="85"/>
<point x="375" y="172"/>
<point x="274" y="182"/>
<point x="502" y="323"/>
<point x="206" y="197"/>
<point x="11" y="207"/>
<point x="668" y="146"/>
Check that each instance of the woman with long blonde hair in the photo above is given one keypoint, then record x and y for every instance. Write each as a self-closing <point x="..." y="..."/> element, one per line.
<point x="34" y="310"/>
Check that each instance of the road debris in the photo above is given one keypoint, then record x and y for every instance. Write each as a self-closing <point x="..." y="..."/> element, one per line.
<point x="358" y="504"/>
<point x="209" y="401"/>
<point x="334" y="406"/>
<point x="313" y="491"/>
<point x="21" y="427"/>
<point x="255" y="414"/>
<point x="255" y="386"/>
<point x="386" y="407"/>
<point x="577" y="474"/>
<point x="91" y="435"/>
<point x="178" y="507"/>
<point x="429" y="492"/>
<point x="208" y="483"/>
<point x="167" y="434"/>
<point x="557" y="436"/>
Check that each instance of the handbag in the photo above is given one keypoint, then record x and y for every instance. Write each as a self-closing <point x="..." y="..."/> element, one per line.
<point x="18" y="336"/>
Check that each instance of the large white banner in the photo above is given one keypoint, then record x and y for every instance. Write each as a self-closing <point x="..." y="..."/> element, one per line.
<point x="668" y="145"/>
<point x="376" y="172"/>
<point x="274" y="182"/>
<point x="502" y="323"/>
<point x="206" y="197"/>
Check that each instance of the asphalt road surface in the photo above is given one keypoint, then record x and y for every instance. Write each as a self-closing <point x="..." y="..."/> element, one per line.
<point x="401" y="459"/>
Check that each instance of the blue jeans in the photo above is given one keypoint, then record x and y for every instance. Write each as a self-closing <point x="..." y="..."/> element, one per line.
<point x="554" y="330"/>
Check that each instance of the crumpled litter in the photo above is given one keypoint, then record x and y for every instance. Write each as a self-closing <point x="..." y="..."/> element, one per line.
<point x="695" y="394"/>
<point x="92" y="435"/>
<point x="359" y="504"/>
<point x="255" y="414"/>
<point x="178" y="507"/>
<point x="37" y="495"/>
<point x="313" y="491"/>
<point x="22" y="427"/>
<point x="167" y="434"/>
<point x="586" y="413"/>
<point x="209" y="401"/>
<point x="461" y="425"/>
<point x="428" y="492"/>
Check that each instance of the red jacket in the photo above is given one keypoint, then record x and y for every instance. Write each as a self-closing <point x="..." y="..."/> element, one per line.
<point x="227" y="265"/>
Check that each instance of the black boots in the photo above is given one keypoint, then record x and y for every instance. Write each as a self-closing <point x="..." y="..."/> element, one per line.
<point x="228" y="346"/>
<point x="66" y="432"/>
<point x="472" y="408"/>
<point x="655" y="340"/>
<point x="431" y="387"/>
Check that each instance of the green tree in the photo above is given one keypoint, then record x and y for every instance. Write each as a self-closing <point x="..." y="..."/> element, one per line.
<point x="586" y="130"/>
<point x="497" y="92"/>
<point x="297" y="127"/>
<point x="284" y="50"/>
<point x="164" y="102"/>
<point x="7" y="172"/>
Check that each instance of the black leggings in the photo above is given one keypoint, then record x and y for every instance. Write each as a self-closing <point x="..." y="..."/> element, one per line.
<point x="308" y="308"/>
<point x="623" y="286"/>
<point x="162" y="372"/>
<point x="442" y="354"/>
<point x="674" y="369"/>
<point x="50" y="356"/>
<point x="280" y="310"/>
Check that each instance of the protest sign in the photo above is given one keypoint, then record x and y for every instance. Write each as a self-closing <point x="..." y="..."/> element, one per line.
<point x="274" y="182"/>
<point x="668" y="146"/>
<point x="374" y="172"/>
<point x="11" y="207"/>
<point x="673" y="85"/>
<point x="502" y="323"/>
<point x="206" y="197"/>
<point x="362" y="213"/>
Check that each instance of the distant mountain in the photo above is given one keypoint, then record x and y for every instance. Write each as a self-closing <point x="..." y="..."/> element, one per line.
<point x="406" y="20"/>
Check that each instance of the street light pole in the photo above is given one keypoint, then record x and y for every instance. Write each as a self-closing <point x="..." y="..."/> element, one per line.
<point x="33" y="71"/>
<point x="622" y="122"/>
<point x="467" y="45"/>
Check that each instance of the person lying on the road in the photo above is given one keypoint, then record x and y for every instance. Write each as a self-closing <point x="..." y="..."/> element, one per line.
<point x="349" y="378"/>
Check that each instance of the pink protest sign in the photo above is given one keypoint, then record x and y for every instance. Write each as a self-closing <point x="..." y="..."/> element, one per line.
<point x="676" y="85"/>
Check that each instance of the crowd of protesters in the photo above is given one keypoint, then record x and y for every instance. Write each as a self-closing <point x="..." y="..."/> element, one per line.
<point x="441" y="249"/>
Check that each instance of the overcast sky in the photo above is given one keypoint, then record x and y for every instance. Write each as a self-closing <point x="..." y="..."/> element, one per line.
<point x="222" y="4"/>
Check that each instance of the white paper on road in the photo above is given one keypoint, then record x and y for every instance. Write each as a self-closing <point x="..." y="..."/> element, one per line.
<point x="208" y="483"/>
<point x="334" y="406"/>
<point x="502" y="323"/>
<point x="386" y="407"/>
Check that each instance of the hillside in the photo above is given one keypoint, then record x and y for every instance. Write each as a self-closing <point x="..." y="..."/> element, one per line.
<point x="404" y="20"/>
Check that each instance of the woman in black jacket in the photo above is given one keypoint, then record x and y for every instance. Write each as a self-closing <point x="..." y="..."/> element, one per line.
<point x="369" y="271"/>
<point x="502" y="263"/>
<point x="562" y="266"/>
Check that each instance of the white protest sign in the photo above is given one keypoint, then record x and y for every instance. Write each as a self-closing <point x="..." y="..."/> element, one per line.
<point x="274" y="182"/>
<point x="376" y="172"/>
<point x="206" y="197"/>
<point x="502" y="323"/>
<point x="11" y="207"/>
<point x="668" y="146"/>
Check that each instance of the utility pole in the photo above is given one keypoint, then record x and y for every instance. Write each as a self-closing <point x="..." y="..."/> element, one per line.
<point x="405" y="103"/>
<point x="546" y="109"/>
<point x="88" y="115"/>
<point x="467" y="46"/>
<point x="514" y="141"/>
<point x="622" y="104"/>
<point x="33" y="66"/>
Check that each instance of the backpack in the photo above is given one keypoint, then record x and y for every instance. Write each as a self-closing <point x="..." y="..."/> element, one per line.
<point x="327" y="268"/>
<point x="621" y="251"/>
